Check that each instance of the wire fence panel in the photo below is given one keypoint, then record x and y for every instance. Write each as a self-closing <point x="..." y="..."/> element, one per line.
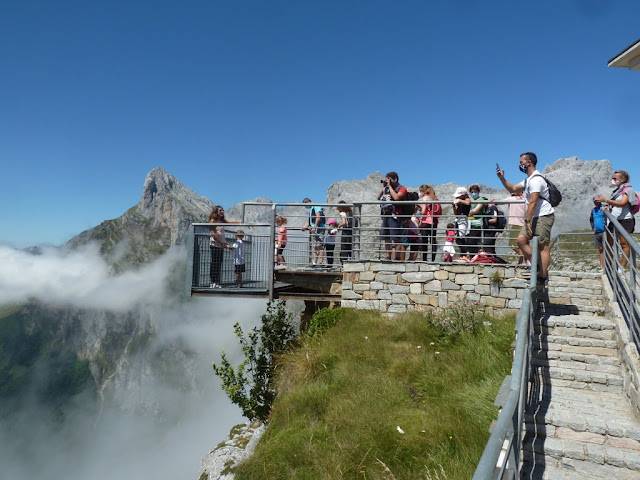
<point x="243" y="263"/>
<point x="374" y="233"/>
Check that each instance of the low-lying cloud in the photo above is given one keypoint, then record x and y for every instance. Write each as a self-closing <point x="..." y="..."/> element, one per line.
<point x="185" y="422"/>
<point x="81" y="278"/>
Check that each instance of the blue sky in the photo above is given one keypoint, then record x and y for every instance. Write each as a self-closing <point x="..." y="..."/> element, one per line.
<point x="240" y="99"/>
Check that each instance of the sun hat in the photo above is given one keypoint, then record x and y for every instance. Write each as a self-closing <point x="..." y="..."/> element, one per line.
<point x="460" y="191"/>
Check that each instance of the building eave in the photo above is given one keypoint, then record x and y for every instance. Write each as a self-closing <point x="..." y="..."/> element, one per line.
<point x="628" y="58"/>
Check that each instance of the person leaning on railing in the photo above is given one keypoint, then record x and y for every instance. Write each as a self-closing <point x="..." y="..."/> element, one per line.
<point x="430" y="214"/>
<point x="621" y="203"/>
<point x="346" y="228"/>
<point x="217" y="244"/>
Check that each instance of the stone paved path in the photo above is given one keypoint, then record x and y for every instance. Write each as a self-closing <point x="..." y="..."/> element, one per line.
<point x="581" y="424"/>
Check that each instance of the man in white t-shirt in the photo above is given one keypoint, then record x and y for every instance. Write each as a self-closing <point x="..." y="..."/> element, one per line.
<point x="539" y="214"/>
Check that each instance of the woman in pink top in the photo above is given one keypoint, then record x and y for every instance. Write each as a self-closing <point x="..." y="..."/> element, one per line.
<point x="281" y="242"/>
<point x="429" y="221"/>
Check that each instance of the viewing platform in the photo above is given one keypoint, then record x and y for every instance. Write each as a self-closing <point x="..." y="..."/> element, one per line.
<point x="362" y="276"/>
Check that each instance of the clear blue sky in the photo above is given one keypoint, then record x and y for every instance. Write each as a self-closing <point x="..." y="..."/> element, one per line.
<point x="240" y="99"/>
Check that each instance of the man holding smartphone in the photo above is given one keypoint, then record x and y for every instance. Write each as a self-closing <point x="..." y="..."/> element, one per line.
<point x="539" y="214"/>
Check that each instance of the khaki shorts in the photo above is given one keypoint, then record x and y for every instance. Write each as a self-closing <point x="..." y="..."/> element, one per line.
<point x="541" y="228"/>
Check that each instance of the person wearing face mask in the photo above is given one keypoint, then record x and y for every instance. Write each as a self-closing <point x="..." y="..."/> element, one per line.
<point x="620" y="203"/>
<point x="539" y="214"/>
<point x="476" y="216"/>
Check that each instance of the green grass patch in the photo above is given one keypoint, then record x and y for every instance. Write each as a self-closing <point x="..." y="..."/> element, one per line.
<point x="344" y="395"/>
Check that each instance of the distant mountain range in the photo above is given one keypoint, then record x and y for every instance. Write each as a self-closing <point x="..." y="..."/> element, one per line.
<point x="167" y="207"/>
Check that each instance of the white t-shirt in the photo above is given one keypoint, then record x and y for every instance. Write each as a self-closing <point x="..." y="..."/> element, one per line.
<point x="238" y="254"/>
<point x="535" y="183"/>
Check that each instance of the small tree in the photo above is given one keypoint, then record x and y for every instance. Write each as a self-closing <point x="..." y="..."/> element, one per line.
<point x="251" y="385"/>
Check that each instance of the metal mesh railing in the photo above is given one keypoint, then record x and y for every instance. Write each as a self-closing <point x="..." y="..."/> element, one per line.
<point x="576" y="251"/>
<point x="401" y="238"/>
<point x="241" y="263"/>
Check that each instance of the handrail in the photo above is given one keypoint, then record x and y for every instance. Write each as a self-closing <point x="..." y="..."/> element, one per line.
<point x="623" y="283"/>
<point x="502" y="454"/>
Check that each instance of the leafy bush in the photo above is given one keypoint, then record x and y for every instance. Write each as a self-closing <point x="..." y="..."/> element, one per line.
<point x="251" y="385"/>
<point x="323" y="320"/>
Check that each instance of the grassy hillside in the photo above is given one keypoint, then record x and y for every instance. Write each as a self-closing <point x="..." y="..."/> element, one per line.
<point x="376" y="398"/>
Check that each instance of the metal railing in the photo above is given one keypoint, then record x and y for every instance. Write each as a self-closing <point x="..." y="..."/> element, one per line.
<point x="576" y="251"/>
<point x="248" y="266"/>
<point x="502" y="456"/>
<point x="366" y="239"/>
<point x="621" y="253"/>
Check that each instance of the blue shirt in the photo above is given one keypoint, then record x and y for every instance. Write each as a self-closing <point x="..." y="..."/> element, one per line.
<point x="597" y="219"/>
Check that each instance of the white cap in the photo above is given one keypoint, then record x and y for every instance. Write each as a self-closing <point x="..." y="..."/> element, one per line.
<point x="460" y="191"/>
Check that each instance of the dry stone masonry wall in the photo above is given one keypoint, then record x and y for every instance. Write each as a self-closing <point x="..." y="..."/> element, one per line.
<point x="401" y="287"/>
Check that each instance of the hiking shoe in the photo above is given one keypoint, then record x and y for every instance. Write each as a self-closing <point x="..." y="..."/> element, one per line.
<point x="526" y="273"/>
<point x="543" y="282"/>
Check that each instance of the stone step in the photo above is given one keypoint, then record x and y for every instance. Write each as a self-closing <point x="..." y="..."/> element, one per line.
<point x="585" y="345"/>
<point x="576" y="288"/>
<point x="587" y="360"/>
<point x="591" y="322"/>
<point x="571" y="309"/>
<point x="592" y="453"/>
<point x="576" y="332"/>
<point x="580" y="377"/>
<point x="545" y="467"/>
<point x="601" y="413"/>
<point x="578" y="366"/>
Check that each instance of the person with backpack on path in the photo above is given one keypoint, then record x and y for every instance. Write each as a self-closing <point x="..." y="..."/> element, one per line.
<point x="623" y="202"/>
<point x="391" y="231"/>
<point x="316" y="226"/>
<point x="539" y="214"/>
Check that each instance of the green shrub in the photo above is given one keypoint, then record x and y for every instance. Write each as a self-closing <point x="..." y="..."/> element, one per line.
<point x="323" y="320"/>
<point x="251" y="385"/>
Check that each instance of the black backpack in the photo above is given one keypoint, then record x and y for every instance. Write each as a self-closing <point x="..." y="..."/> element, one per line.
<point x="407" y="210"/>
<point x="312" y="216"/>
<point x="555" y="197"/>
<point x="500" y="224"/>
<point x="502" y="220"/>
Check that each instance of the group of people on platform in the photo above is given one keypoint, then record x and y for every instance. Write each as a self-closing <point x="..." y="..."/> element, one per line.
<point x="412" y="228"/>
<point x="324" y="233"/>
<point x="477" y="223"/>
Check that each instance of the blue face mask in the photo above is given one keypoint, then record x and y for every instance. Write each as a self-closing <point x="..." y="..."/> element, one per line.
<point x="475" y="195"/>
<point x="523" y="168"/>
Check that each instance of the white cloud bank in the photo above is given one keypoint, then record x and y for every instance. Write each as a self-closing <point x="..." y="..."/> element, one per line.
<point x="117" y="445"/>
<point x="81" y="278"/>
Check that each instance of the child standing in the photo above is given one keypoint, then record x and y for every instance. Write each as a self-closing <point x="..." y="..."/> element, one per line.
<point x="281" y="242"/>
<point x="449" y="249"/>
<point x="598" y="223"/>
<point x="238" y="257"/>
<point x="330" y="242"/>
<point x="410" y="239"/>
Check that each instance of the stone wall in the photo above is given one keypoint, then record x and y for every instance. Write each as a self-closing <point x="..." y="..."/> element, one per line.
<point x="627" y="351"/>
<point x="400" y="287"/>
